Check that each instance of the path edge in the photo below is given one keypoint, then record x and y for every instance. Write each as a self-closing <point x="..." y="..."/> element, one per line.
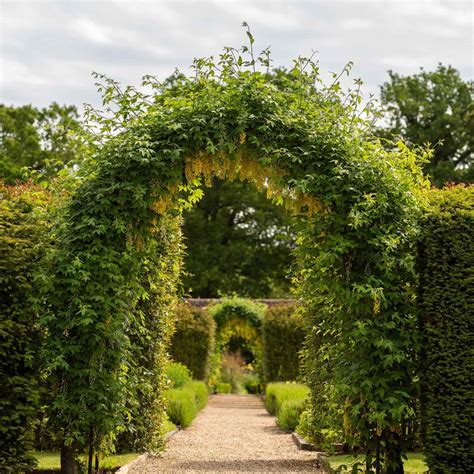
<point x="143" y="457"/>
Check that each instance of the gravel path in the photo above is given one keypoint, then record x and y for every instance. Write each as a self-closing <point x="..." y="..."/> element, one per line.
<point x="234" y="433"/>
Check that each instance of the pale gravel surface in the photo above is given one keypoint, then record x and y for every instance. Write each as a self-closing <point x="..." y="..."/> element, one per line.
<point x="234" y="433"/>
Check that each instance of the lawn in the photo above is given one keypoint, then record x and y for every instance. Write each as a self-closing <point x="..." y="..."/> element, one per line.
<point x="51" y="460"/>
<point x="415" y="463"/>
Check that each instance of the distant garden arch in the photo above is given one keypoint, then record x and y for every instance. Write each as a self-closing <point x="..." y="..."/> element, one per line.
<point x="116" y="268"/>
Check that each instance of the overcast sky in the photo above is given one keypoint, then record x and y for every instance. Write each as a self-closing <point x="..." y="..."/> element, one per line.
<point x="50" y="47"/>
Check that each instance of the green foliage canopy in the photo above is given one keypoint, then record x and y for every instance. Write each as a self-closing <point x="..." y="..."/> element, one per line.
<point x="41" y="140"/>
<point x="237" y="241"/>
<point x="434" y="107"/>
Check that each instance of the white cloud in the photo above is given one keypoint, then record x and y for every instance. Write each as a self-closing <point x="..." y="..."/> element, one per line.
<point x="49" y="47"/>
<point x="91" y="31"/>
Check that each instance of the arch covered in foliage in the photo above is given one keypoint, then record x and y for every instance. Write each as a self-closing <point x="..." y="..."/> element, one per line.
<point x="356" y="203"/>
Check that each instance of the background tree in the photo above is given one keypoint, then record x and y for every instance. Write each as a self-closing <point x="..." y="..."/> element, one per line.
<point x="237" y="241"/>
<point x="42" y="140"/>
<point x="437" y="108"/>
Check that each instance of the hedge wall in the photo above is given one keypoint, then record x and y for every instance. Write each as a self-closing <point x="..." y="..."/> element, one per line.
<point x="193" y="341"/>
<point x="22" y="245"/>
<point x="283" y="336"/>
<point x="446" y="294"/>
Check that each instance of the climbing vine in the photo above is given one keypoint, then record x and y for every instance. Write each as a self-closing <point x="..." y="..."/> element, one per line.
<point x="310" y="146"/>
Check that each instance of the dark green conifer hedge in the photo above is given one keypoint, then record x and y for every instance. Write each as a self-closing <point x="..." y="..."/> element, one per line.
<point x="283" y="336"/>
<point x="193" y="341"/>
<point x="446" y="295"/>
<point x="22" y="246"/>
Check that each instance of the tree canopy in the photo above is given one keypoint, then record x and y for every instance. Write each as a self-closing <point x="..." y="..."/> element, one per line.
<point x="237" y="241"/>
<point x="41" y="140"/>
<point x="434" y="107"/>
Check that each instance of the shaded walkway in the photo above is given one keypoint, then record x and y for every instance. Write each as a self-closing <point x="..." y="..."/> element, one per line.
<point x="234" y="433"/>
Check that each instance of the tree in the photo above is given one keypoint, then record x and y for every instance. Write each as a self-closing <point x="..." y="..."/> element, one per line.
<point x="42" y="140"/>
<point x="237" y="241"/>
<point x="437" y="108"/>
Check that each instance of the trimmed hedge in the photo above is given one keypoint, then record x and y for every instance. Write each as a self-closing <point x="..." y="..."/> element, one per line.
<point x="22" y="246"/>
<point x="283" y="337"/>
<point x="182" y="408"/>
<point x="446" y="293"/>
<point x="193" y="341"/>
<point x="278" y="393"/>
<point x="185" y="402"/>
<point x="287" y="402"/>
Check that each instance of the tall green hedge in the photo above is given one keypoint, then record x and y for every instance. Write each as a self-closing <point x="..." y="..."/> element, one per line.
<point x="283" y="336"/>
<point x="22" y="246"/>
<point x="193" y="341"/>
<point x="446" y="295"/>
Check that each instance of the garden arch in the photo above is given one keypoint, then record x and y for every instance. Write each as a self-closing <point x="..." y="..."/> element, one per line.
<point x="116" y="267"/>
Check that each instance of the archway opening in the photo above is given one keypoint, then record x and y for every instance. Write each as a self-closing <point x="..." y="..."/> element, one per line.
<point x="118" y="258"/>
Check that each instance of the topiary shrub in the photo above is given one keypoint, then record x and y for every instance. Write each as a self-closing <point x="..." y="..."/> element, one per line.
<point x="193" y="341"/>
<point x="289" y="414"/>
<point x="182" y="408"/>
<point x="283" y="336"/>
<point x="22" y="245"/>
<point x="178" y="375"/>
<point x="446" y="293"/>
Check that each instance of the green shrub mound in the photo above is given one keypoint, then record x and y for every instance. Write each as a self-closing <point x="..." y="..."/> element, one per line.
<point x="287" y="402"/>
<point x="22" y="246"/>
<point x="193" y="341"/>
<point x="200" y="393"/>
<point x="185" y="400"/>
<point x="178" y="375"/>
<point x="252" y="383"/>
<point x="446" y="295"/>
<point x="182" y="408"/>
<point x="278" y="393"/>
<point x="222" y="387"/>
<point x="289" y="414"/>
<point x="283" y="336"/>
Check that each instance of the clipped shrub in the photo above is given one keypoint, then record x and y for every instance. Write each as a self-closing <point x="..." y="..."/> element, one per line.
<point x="252" y="383"/>
<point x="278" y="393"/>
<point x="22" y="247"/>
<point x="289" y="414"/>
<point x="446" y="293"/>
<point x="222" y="387"/>
<point x="178" y="375"/>
<point x="200" y="391"/>
<point x="182" y="408"/>
<point x="193" y="341"/>
<point x="283" y="336"/>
